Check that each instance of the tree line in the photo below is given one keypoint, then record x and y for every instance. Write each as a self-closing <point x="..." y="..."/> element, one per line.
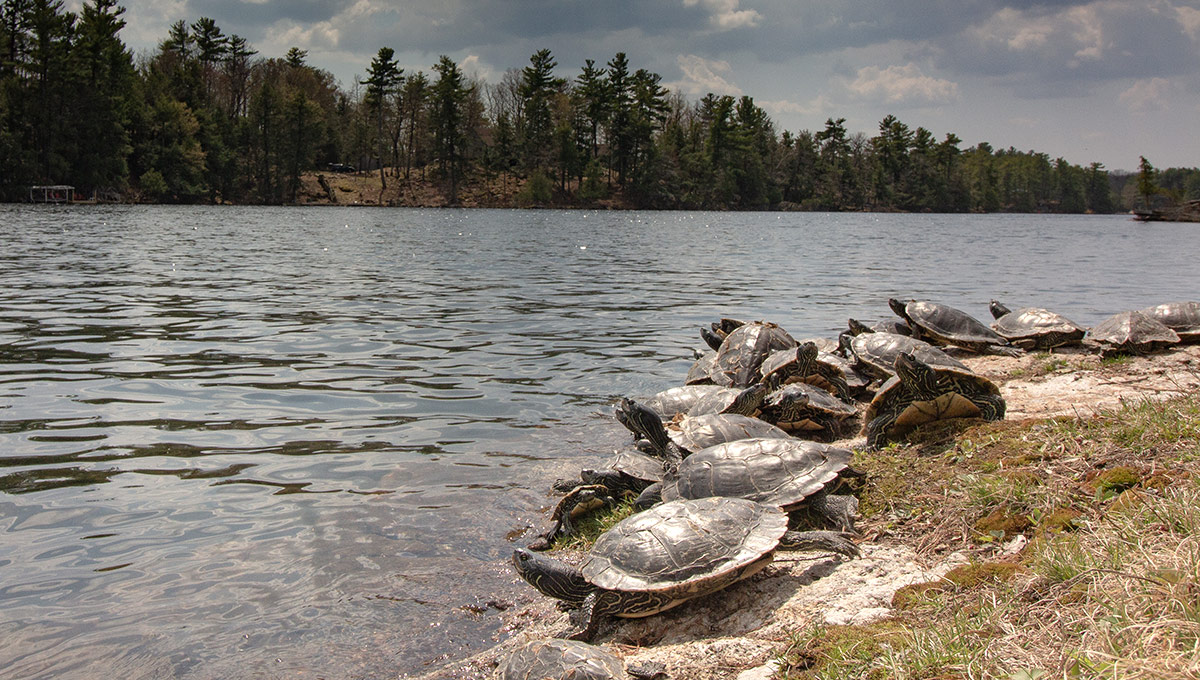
<point x="205" y="118"/>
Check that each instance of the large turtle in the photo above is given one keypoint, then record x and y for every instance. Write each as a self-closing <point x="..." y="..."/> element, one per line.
<point x="1034" y="327"/>
<point x="555" y="659"/>
<point x="782" y="472"/>
<point x="700" y="399"/>
<point x="804" y="364"/>
<point x="875" y="353"/>
<point x="921" y="393"/>
<point x="807" y="411"/>
<point x="671" y="553"/>
<point x="743" y="351"/>
<point x="944" y="325"/>
<point x="1181" y="317"/>
<point x="1131" y="333"/>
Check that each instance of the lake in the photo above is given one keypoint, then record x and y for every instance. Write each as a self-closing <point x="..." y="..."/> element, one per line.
<point x="272" y="442"/>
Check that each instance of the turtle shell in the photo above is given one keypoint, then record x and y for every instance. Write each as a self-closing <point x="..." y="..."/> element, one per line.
<point x="637" y="465"/>
<point x="743" y="351"/>
<point x="877" y="352"/>
<point x="804" y="408"/>
<point x="555" y="659"/>
<point x="721" y="399"/>
<point x="780" y="472"/>
<point x="701" y="371"/>
<point x="685" y="548"/>
<point x="1040" y="327"/>
<point x="1181" y="317"/>
<point x="1132" y="332"/>
<point x="676" y="400"/>
<point x="701" y="432"/>
<point x="949" y="326"/>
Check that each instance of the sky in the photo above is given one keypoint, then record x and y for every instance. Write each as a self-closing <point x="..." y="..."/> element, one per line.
<point x="1102" y="81"/>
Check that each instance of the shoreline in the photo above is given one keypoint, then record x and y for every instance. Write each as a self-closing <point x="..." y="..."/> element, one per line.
<point x="741" y="633"/>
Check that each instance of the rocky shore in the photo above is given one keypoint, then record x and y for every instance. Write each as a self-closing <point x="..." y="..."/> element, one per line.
<point x="741" y="633"/>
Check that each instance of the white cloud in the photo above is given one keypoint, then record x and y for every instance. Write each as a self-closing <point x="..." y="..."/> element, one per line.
<point x="1189" y="18"/>
<point x="725" y="15"/>
<point x="701" y="76"/>
<point x="1147" y="95"/>
<point x="816" y="107"/>
<point x="902" y="85"/>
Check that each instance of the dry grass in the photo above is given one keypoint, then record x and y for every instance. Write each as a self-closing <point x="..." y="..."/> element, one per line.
<point x="1108" y="585"/>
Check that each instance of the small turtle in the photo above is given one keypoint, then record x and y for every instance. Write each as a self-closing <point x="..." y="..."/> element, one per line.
<point x="875" y="353"/>
<point x="920" y="393"/>
<point x="804" y="364"/>
<point x="743" y="351"/>
<point x="578" y="501"/>
<point x="945" y="325"/>
<point x="1131" y="333"/>
<point x="662" y="557"/>
<point x="690" y="433"/>
<point x="701" y="399"/>
<point x="856" y="328"/>
<point x="782" y="472"/>
<point x="858" y="381"/>
<point x="1034" y="327"/>
<point x="555" y="659"/>
<point x="1181" y="317"/>
<point x="807" y="411"/>
<point x="700" y="372"/>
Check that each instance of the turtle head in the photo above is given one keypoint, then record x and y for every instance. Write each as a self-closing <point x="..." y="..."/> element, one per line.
<point x="899" y="307"/>
<point x="551" y="577"/>
<point x="998" y="310"/>
<point x="642" y="421"/>
<point x="711" y="338"/>
<point x="916" y="375"/>
<point x="749" y="401"/>
<point x="806" y="352"/>
<point x="857" y="327"/>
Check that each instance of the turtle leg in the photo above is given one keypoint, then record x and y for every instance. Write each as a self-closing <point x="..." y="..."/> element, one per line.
<point x="991" y="406"/>
<point x="586" y="619"/>
<point x="877" y="430"/>
<point x="650" y="496"/>
<point x="819" y="540"/>
<point x="837" y="509"/>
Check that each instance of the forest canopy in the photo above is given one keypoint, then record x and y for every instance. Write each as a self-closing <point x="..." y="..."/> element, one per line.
<point x="206" y="118"/>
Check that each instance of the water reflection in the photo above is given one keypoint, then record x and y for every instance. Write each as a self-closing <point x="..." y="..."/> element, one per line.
<point x="249" y="442"/>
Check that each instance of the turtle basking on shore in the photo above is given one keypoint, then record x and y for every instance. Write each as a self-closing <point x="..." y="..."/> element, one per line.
<point x="944" y="325"/>
<point x="1034" y="327"/>
<point x="808" y="411"/>
<point x="920" y="393"/>
<point x="743" y="351"/>
<point x="1181" y="317"/>
<point x="1131" y="333"/>
<point x="875" y="353"/>
<point x="667" y="555"/>
<point x="555" y="659"/>
<point x="690" y="433"/>
<point x="804" y="364"/>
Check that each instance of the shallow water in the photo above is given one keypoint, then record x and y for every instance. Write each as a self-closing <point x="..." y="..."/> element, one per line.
<point x="251" y="442"/>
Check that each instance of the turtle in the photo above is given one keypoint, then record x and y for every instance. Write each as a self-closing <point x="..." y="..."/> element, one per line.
<point x="857" y="381"/>
<point x="700" y="372"/>
<point x="555" y="659"/>
<point x="1034" y="327"/>
<point x="690" y="433"/>
<point x="856" y="328"/>
<point x="803" y="363"/>
<point x="581" y="499"/>
<point x="781" y="472"/>
<point x="1131" y="333"/>
<point x="807" y="411"/>
<point x="666" y="555"/>
<point x="743" y="351"/>
<point x="944" y="325"/>
<point x="922" y="392"/>
<point x="700" y="399"/>
<point x="875" y="353"/>
<point x="1181" y="317"/>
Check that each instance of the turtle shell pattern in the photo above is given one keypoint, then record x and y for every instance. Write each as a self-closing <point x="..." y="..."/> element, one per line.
<point x="1041" y="326"/>
<point x="1181" y="317"/>
<point x="950" y="404"/>
<point x="555" y="659"/>
<point x="684" y="549"/>
<point x="877" y="352"/>
<point x="700" y="432"/>
<point x="947" y="325"/>
<point x="677" y="400"/>
<point x="780" y="472"/>
<point x="800" y="407"/>
<point x="637" y="465"/>
<point x="1132" y="332"/>
<point x="743" y="351"/>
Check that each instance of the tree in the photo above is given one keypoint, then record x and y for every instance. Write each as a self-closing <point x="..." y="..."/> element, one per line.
<point x="383" y="76"/>
<point x="593" y="90"/>
<point x="104" y="94"/>
<point x="538" y="86"/>
<point x="449" y="95"/>
<point x="1147" y="185"/>
<point x="211" y="48"/>
<point x="416" y="95"/>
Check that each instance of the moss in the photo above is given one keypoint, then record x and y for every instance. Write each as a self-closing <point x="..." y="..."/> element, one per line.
<point x="1003" y="523"/>
<point x="979" y="573"/>
<point x="1060" y="519"/>
<point x="839" y="651"/>
<point x="1111" y="482"/>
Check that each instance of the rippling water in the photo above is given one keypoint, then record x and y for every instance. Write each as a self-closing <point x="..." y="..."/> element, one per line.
<point x="251" y="442"/>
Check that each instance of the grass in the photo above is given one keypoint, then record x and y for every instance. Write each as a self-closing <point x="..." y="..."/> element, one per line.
<point x="1108" y="585"/>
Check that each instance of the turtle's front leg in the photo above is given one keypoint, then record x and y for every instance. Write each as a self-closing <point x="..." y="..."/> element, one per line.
<point x="586" y="619"/>
<point x="836" y="509"/>
<point x="991" y="406"/>
<point x="877" y="430"/>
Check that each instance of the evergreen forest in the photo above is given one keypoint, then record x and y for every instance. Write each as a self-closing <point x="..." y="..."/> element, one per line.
<point x="205" y="118"/>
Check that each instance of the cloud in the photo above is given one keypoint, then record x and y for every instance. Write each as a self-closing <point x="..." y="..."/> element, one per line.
<point x="1146" y="95"/>
<point x="701" y="76"/>
<point x="725" y="15"/>
<point x="1189" y="19"/>
<point x="903" y="85"/>
<point x="816" y="107"/>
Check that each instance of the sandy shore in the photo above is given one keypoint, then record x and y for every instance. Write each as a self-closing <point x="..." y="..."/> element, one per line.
<point x="735" y="634"/>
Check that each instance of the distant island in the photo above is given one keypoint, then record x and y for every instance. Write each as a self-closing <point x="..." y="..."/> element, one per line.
<point x="205" y="119"/>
